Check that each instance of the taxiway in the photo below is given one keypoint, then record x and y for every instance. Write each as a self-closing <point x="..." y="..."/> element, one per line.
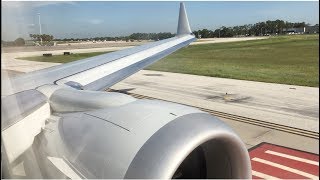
<point x="287" y="105"/>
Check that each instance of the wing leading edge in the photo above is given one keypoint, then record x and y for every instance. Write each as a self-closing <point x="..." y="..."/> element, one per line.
<point x="103" y="71"/>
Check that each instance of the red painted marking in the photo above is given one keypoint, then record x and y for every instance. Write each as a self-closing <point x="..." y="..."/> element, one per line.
<point x="305" y="167"/>
<point x="259" y="152"/>
<point x="291" y="152"/>
<point x="275" y="172"/>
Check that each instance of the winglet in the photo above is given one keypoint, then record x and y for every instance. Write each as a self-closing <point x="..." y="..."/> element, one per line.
<point x="183" y="24"/>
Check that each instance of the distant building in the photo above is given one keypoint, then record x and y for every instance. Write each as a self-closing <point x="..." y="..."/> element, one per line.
<point x="301" y="30"/>
<point x="312" y="29"/>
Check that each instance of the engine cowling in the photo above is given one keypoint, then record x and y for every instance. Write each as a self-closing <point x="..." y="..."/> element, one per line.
<point x="152" y="139"/>
<point x="192" y="146"/>
<point x="111" y="135"/>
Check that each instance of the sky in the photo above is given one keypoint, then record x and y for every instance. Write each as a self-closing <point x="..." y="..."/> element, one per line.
<point x="80" y="19"/>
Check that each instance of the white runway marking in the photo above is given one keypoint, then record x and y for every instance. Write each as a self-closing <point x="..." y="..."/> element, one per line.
<point x="293" y="157"/>
<point x="285" y="168"/>
<point x="264" y="176"/>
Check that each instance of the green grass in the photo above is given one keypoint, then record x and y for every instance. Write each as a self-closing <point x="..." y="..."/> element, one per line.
<point x="283" y="59"/>
<point x="62" y="58"/>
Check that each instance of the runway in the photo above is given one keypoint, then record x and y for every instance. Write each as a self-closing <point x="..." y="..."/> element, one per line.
<point x="294" y="106"/>
<point x="285" y="105"/>
<point x="222" y="40"/>
<point x="234" y="117"/>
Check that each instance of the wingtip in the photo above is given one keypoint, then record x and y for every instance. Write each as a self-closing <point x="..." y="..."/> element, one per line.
<point x="183" y="23"/>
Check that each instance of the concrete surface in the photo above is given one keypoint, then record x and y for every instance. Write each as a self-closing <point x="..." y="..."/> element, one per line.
<point x="25" y="66"/>
<point x="250" y="134"/>
<point x="69" y="47"/>
<point x="296" y="106"/>
<point x="110" y="44"/>
<point x="253" y="135"/>
<point x="220" y="40"/>
<point x="10" y="62"/>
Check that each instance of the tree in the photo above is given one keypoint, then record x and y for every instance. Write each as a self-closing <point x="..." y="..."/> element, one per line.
<point x="48" y="38"/>
<point x="196" y="34"/>
<point x="236" y="30"/>
<point x="19" y="42"/>
<point x="205" y="33"/>
<point x="44" y="37"/>
<point x="279" y="26"/>
<point x="299" y="25"/>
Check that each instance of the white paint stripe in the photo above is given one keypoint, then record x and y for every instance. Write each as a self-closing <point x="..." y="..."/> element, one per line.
<point x="91" y="75"/>
<point x="264" y="176"/>
<point x="286" y="168"/>
<point x="64" y="167"/>
<point x="293" y="157"/>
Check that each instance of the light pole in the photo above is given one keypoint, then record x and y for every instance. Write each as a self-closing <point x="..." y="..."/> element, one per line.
<point x="40" y="29"/>
<point x="219" y="33"/>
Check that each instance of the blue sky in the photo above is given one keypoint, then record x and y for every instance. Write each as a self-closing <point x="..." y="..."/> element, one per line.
<point x="90" y="19"/>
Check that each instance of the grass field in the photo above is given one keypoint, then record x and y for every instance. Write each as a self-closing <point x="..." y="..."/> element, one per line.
<point x="284" y="59"/>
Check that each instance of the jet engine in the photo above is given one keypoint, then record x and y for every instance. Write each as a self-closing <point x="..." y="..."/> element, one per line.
<point x="122" y="137"/>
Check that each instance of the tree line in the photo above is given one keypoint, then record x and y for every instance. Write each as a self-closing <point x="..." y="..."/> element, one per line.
<point x="134" y="36"/>
<point x="17" y="42"/>
<point x="257" y="29"/>
<point x="47" y="39"/>
<point x="43" y="37"/>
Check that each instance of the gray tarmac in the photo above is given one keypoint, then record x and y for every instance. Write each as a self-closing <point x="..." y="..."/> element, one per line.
<point x="71" y="46"/>
<point x="289" y="105"/>
<point x="295" y="106"/>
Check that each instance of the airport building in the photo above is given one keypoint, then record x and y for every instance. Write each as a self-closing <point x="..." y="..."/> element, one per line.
<point x="312" y="29"/>
<point x="303" y="30"/>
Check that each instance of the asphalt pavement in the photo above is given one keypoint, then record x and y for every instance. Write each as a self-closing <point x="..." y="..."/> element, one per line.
<point x="289" y="105"/>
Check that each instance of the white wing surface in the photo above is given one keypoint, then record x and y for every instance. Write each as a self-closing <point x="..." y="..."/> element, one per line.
<point x="103" y="71"/>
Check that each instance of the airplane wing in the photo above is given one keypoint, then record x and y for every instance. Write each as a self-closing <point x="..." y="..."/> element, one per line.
<point x="103" y="71"/>
<point x="56" y="124"/>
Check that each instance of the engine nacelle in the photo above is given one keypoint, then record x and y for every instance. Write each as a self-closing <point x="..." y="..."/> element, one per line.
<point x="152" y="139"/>
<point x="111" y="135"/>
<point x="192" y="146"/>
